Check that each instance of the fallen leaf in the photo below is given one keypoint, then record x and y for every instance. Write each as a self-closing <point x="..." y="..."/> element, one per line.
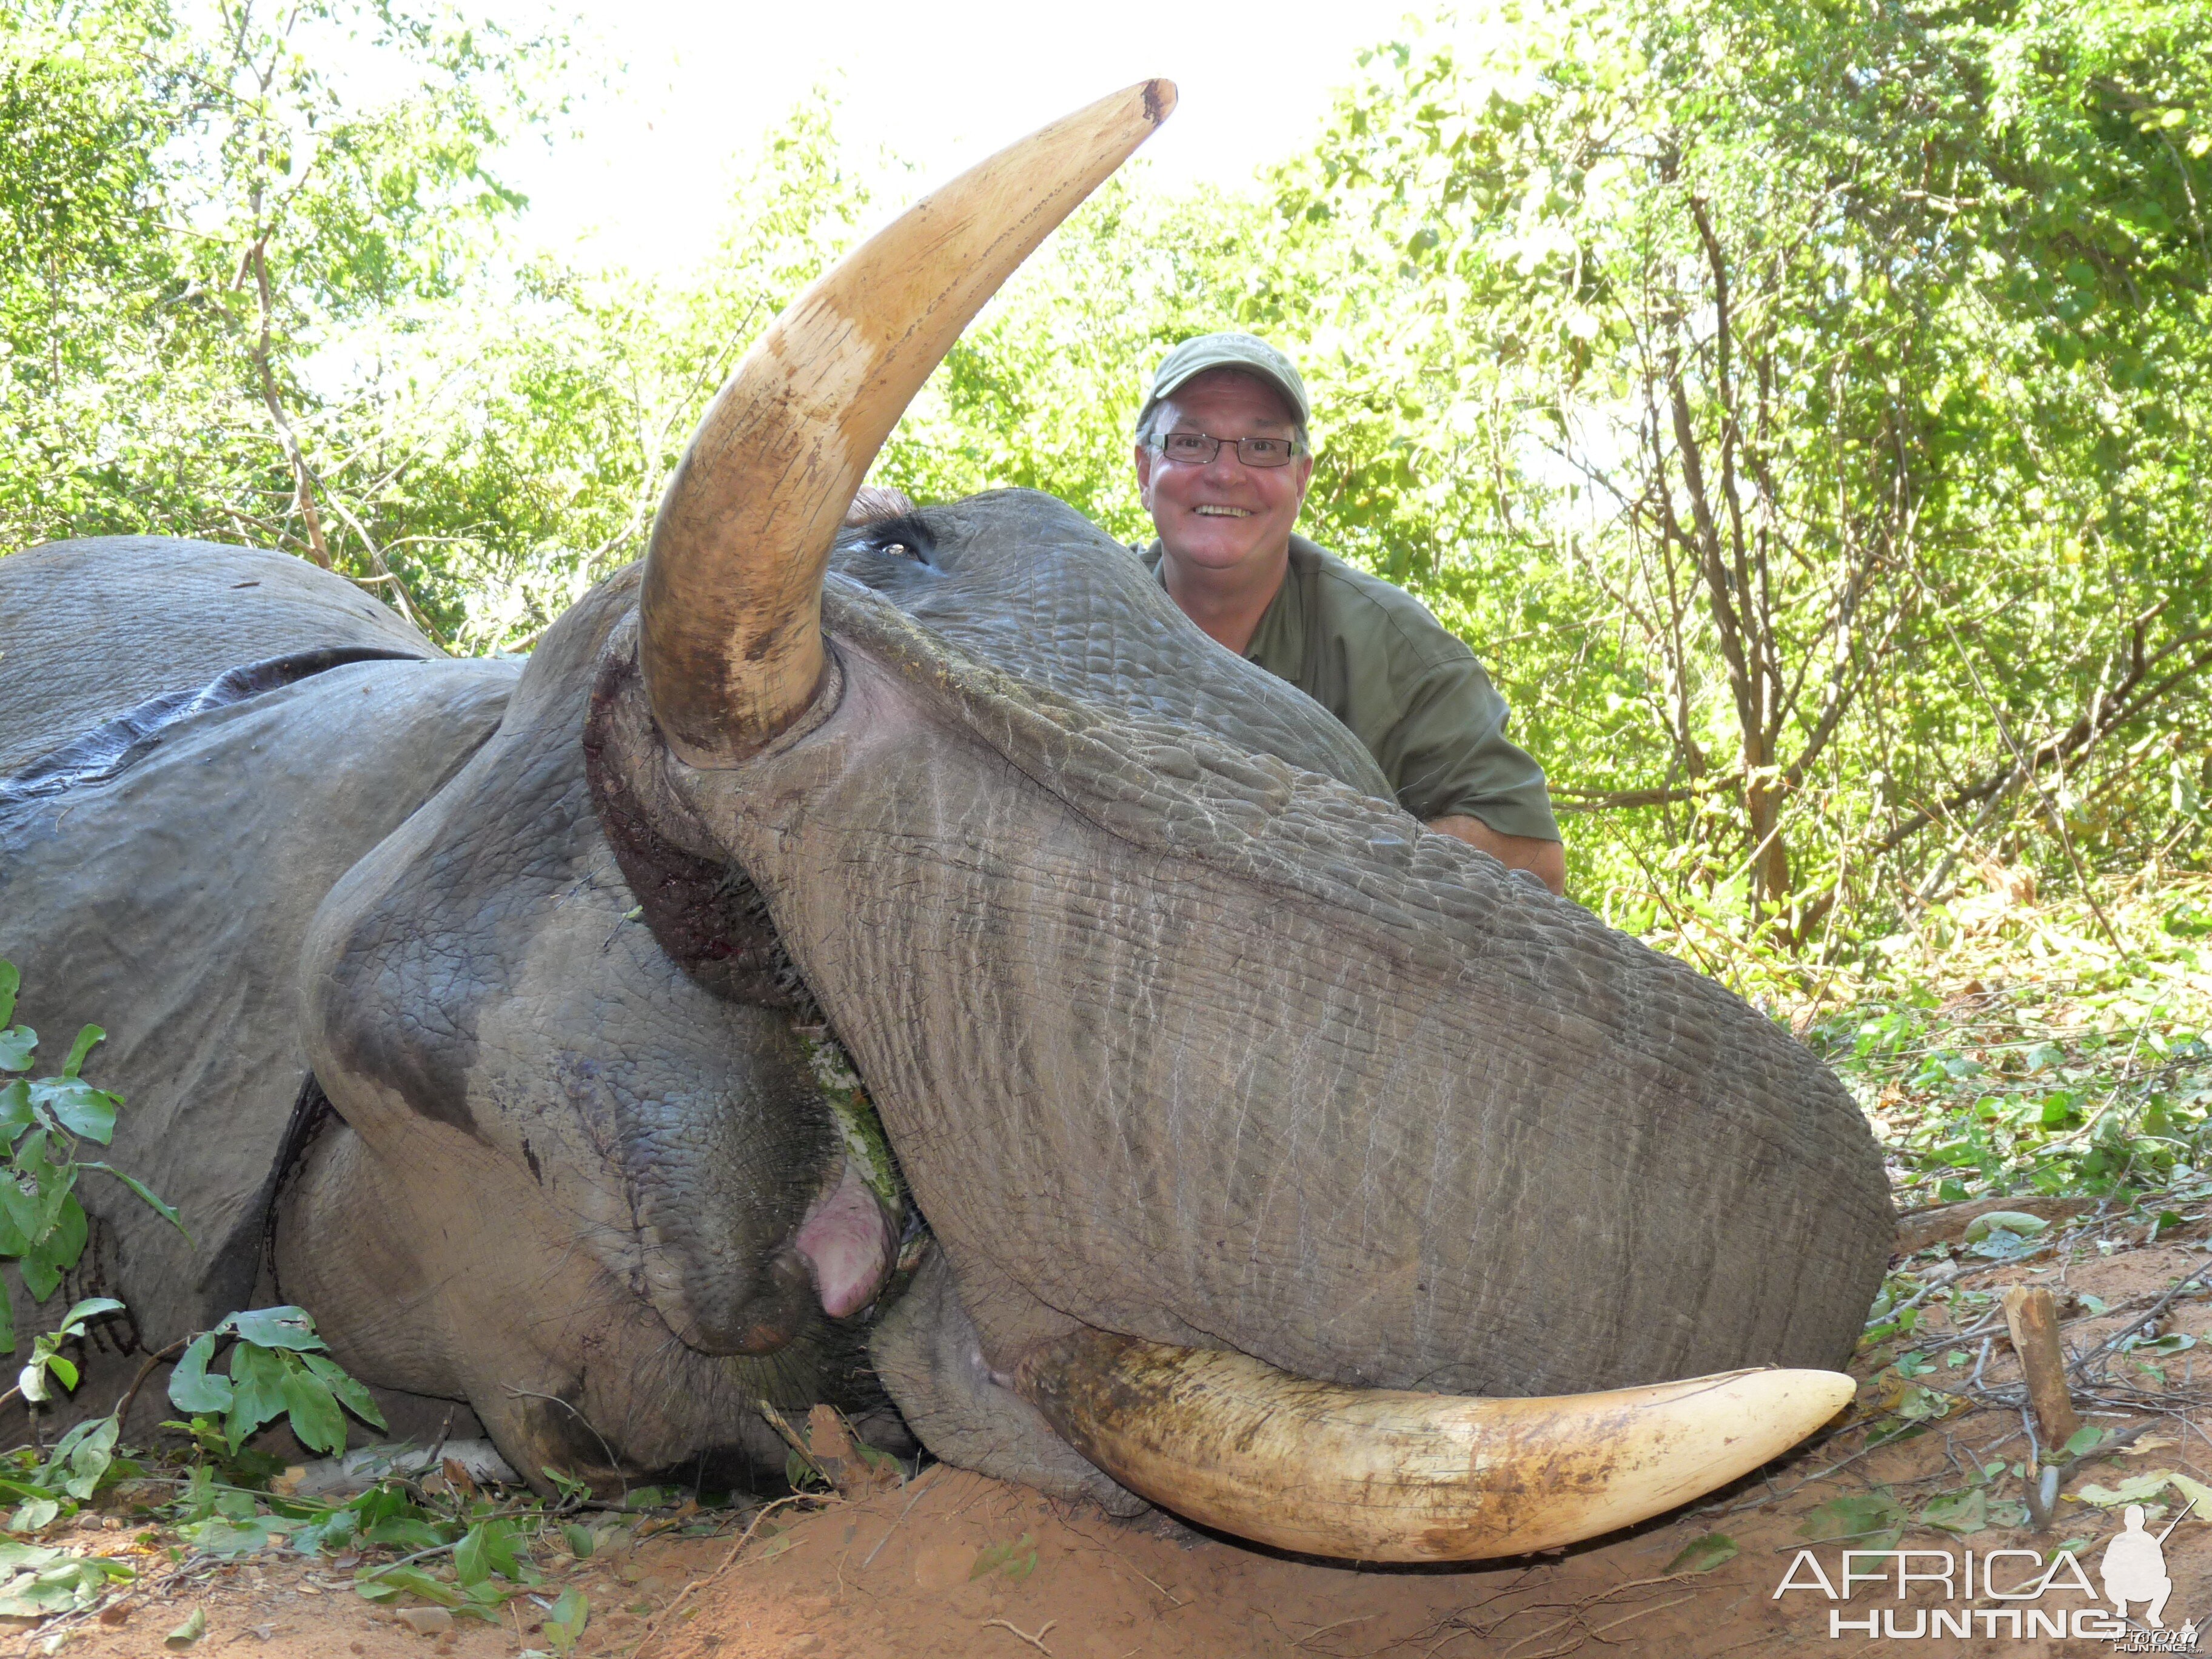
<point x="2149" y="1442"/>
<point x="1963" y="1512"/>
<point x="2195" y="1491"/>
<point x="1703" y="1555"/>
<point x="2010" y="1221"/>
<point x="1870" y="1515"/>
<point x="2136" y="1489"/>
<point x="190" y="1631"/>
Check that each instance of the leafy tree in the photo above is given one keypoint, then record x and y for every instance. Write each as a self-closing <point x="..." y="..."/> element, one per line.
<point x="1772" y="359"/>
<point x="210" y="220"/>
<point x="1800" y="407"/>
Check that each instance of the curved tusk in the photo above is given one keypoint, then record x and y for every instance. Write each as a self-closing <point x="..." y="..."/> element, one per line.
<point x="730" y="617"/>
<point x="1381" y="1474"/>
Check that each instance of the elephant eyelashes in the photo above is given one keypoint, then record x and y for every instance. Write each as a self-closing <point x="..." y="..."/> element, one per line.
<point x="901" y="537"/>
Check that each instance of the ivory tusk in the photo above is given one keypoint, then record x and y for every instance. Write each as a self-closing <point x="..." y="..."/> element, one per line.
<point x="1381" y="1474"/>
<point x="730" y="614"/>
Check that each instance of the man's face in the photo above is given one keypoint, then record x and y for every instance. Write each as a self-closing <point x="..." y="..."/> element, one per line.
<point x="1224" y="515"/>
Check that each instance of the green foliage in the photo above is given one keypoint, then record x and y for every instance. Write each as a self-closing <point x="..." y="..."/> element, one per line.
<point x="278" y="1368"/>
<point x="565" y="1620"/>
<point x="1799" y="408"/>
<point x="41" y="1581"/>
<point x="213" y="218"/>
<point x="1872" y="1520"/>
<point x="42" y="1228"/>
<point x="2090" y="1071"/>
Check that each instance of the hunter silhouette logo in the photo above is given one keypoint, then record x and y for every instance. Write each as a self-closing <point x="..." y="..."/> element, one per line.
<point x="2134" y="1568"/>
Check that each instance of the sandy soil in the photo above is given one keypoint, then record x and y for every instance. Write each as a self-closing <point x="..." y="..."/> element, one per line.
<point x="957" y="1564"/>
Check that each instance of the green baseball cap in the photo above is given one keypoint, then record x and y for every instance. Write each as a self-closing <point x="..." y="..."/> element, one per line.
<point x="1246" y="351"/>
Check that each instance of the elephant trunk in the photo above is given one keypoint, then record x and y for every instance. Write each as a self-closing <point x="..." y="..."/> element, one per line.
<point x="1386" y="1474"/>
<point x="731" y="612"/>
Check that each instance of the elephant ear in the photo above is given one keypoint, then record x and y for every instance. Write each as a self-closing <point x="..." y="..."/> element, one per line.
<point x="94" y="629"/>
<point x="165" y="897"/>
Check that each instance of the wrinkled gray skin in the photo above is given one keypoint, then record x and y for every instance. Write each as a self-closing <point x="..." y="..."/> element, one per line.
<point x="1177" y="1029"/>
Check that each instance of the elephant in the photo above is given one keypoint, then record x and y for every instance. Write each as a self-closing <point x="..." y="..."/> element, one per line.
<point x="1220" y="1139"/>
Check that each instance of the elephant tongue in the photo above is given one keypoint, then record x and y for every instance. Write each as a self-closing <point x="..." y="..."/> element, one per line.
<point x="846" y="1240"/>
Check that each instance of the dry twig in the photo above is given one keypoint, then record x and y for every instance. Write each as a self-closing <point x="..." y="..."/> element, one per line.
<point x="1037" y="1641"/>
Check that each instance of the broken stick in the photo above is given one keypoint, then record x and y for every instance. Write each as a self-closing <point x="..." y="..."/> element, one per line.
<point x="2032" y="1319"/>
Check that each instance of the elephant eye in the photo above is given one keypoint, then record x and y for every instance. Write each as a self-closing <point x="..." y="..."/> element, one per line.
<point x="902" y="538"/>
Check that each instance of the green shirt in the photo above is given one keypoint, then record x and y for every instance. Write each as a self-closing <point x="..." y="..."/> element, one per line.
<point x="1373" y="656"/>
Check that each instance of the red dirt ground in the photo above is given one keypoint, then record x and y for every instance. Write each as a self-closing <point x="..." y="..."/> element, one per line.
<point x="906" y="1572"/>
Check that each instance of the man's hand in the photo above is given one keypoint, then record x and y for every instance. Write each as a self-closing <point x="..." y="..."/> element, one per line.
<point x="1546" y="860"/>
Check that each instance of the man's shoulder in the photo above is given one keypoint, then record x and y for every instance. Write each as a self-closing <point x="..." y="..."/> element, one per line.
<point x="1365" y="608"/>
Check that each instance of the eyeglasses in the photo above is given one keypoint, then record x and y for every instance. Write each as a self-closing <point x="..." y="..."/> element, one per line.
<point x="1197" y="449"/>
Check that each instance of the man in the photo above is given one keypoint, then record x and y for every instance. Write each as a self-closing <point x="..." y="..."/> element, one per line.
<point x="2134" y="1568"/>
<point x="1222" y="462"/>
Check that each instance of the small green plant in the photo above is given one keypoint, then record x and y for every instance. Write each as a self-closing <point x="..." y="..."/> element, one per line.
<point x="278" y="1368"/>
<point x="564" y="1624"/>
<point x="42" y="1225"/>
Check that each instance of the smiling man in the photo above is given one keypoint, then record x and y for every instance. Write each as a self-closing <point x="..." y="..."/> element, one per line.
<point x="1223" y="461"/>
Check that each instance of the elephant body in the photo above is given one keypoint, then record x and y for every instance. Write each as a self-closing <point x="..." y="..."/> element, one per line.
<point x="487" y="1008"/>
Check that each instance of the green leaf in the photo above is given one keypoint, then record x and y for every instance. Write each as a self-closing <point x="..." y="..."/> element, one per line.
<point x="470" y="1566"/>
<point x="64" y="1370"/>
<point x="1870" y="1515"/>
<point x="92" y="1307"/>
<point x="2193" y="1491"/>
<point x="2084" y="1439"/>
<point x="190" y="1631"/>
<point x="333" y="1530"/>
<point x="582" y="1541"/>
<point x="2136" y="1489"/>
<point x="257" y="1380"/>
<point x="565" y="1620"/>
<point x="10" y="982"/>
<point x="276" y="1327"/>
<point x="144" y="1192"/>
<point x="84" y="1453"/>
<point x="387" y="1582"/>
<point x="80" y="1048"/>
<point x="404" y="1533"/>
<point x="84" y="1110"/>
<point x="70" y="1584"/>
<point x="501" y="1554"/>
<point x="49" y="1258"/>
<point x="15" y="1114"/>
<point x="15" y="1045"/>
<point x="233" y="1538"/>
<point x="34" y="1515"/>
<point x="350" y="1394"/>
<point x="1703" y="1555"/>
<point x="2017" y="1222"/>
<point x="312" y="1408"/>
<point x="1960" y="1512"/>
<point x="191" y="1388"/>
<point x="1016" y="1561"/>
<point x="19" y="1216"/>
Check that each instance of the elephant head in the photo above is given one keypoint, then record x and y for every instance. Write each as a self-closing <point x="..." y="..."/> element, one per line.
<point x="1295" y="1167"/>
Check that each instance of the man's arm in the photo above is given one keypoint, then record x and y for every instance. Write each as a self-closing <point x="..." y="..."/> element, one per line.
<point x="1546" y="860"/>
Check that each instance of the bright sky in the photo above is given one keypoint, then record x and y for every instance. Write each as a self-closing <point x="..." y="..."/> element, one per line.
<point x="943" y="83"/>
